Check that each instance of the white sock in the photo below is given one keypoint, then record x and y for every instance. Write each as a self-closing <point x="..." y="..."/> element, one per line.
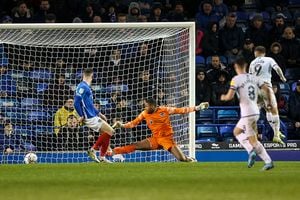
<point x="262" y="153"/>
<point x="270" y="119"/>
<point x="243" y="140"/>
<point x="276" y="122"/>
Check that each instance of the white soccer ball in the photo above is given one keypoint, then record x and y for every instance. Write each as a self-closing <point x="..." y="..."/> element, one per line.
<point x="118" y="158"/>
<point x="30" y="158"/>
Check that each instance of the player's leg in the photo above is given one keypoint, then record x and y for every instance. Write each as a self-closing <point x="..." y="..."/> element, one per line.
<point x="273" y="118"/>
<point x="146" y="144"/>
<point x="251" y="132"/>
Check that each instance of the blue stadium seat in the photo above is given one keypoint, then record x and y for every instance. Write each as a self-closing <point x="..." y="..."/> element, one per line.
<point x="38" y="116"/>
<point x="294" y="2"/>
<point x="226" y="131"/>
<point x="16" y="117"/>
<point x="206" y="131"/>
<point x="42" y="74"/>
<point x="200" y="61"/>
<point x="41" y="87"/>
<point x="43" y="130"/>
<point x="8" y="102"/>
<point x="227" y="115"/>
<point x="30" y="102"/>
<point x="284" y="88"/>
<point x="3" y="61"/>
<point x="208" y="139"/>
<point x="241" y="17"/>
<point x="204" y="116"/>
<point x="266" y="16"/>
<point x="23" y="130"/>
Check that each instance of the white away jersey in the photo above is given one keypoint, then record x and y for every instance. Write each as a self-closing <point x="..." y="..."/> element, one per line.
<point x="247" y="87"/>
<point x="262" y="68"/>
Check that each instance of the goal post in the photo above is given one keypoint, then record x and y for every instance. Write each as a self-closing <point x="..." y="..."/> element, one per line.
<point x="41" y="64"/>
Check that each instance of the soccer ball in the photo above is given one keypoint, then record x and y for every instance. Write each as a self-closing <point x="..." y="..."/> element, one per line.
<point x="30" y="158"/>
<point x="118" y="158"/>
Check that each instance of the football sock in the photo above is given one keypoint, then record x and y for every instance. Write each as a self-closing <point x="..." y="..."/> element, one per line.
<point x="105" y="143"/>
<point x="276" y="122"/>
<point x="124" y="149"/>
<point x="99" y="141"/>
<point x="270" y="119"/>
<point x="262" y="153"/>
<point x="243" y="140"/>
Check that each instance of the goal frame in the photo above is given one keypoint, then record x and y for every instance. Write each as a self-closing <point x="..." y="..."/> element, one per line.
<point x="189" y="25"/>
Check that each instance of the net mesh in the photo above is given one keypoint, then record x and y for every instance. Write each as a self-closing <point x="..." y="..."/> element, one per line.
<point x="40" y="69"/>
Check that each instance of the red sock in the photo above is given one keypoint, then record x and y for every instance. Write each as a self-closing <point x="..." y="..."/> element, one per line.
<point x="124" y="150"/>
<point x="105" y="143"/>
<point x="98" y="142"/>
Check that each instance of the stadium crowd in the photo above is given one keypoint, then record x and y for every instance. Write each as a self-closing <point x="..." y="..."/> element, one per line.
<point x="226" y="30"/>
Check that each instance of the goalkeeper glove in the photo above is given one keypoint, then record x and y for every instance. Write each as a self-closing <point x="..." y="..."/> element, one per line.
<point x="202" y="106"/>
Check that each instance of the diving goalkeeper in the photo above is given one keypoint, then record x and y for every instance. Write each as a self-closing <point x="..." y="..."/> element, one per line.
<point x="158" y="120"/>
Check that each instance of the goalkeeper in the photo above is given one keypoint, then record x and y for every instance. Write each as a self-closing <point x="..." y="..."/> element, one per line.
<point x="158" y="120"/>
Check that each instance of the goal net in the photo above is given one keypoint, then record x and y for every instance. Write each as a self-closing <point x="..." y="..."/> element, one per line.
<point x="41" y="64"/>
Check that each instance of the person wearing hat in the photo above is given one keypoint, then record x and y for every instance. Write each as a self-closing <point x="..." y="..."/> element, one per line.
<point x="278" y="27"/>
<point x="258" y="32"/>
<point x="294" y="110"/>
<point x="205" y="15"/>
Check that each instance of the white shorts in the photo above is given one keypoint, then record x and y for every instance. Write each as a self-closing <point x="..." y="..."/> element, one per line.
<point x="94" y="123"/>
<point x="262" y="99"/>
<point x="248" y="124"/>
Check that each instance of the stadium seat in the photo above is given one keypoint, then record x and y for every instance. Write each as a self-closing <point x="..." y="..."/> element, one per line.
<point x="241" y="17"/>
<point x="208" y="139"/>
<point x="227" y="115"/>
<point x="42" y="130"/>
<point x="266" y="16"/>
<point x="294" y="2"/>
<point x="38" y="116"/>
<point x="226" y="131"/>
<point x="284" y="88"/>
<point x="8" y="102"/>
<point x="200" y="62"/>
<point x="207" y="131"/>
<point x="23" y="130"/>
<point x="30" y="102"/>
<point x="204" y="116"/>
<point x="16" y="117"/>
<point x="41" y="74"/>
<point x="41" y="87"/>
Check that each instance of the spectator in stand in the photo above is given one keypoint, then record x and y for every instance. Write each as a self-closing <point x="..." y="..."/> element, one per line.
<point x="142" y="18"/>
<point x="231" y="38"/>
<point x="278" y="27"/>
<point x="50" y="18"/>
<point x="281" y="10"/>
<point x="22" y="14"/>
<point x="88" y="14"/>
<point x="40" y="16"/>
<point x="203" y="87"/>
<point x="111" y="15"/>
<point x="6" y="20"/>
<point x="62" y="114"/>
<point x="214" y="69"/>
<point x="290" y="47"/>
<point x="248" y="50"/>
<point x="294" y="107"/>
<point x="57" y="92"/>
<point x="161" y="97"/>
<point x="282" y="101"/>
<point x="210" y="42"/>
<point x="206" y="15"/>
<point x="199" y="38"/>
<point x="133" y="12"/>
<point x="122" y="18"/>
<point x="144" y="87"/>
<point x="220" y="9"/>
<point x="275" y="53"/>
<point x="10" y="142"/>
<point x="219" y="88"/>
<point x="156" y="14"/>
<point x="97" y="19"/>
<point x="258" y="32"/>
<point x="178" y="14"/>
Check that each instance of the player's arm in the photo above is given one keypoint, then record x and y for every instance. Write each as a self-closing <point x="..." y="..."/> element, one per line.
<point x="131" y="124"/>
<point x="184" y="110"/>
<point x="78" y="106"/>
<point x="231" y="92"/>
<point x="280" y="73"/>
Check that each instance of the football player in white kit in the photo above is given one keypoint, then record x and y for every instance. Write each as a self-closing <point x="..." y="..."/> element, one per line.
<point x="262" y="67"/>
<point x="247" y="87"/>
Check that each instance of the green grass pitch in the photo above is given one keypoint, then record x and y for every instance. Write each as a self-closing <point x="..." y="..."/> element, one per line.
<point x="155" y="181"/>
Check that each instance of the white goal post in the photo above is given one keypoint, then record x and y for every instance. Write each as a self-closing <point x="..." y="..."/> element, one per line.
<point x="41" y="64"/>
